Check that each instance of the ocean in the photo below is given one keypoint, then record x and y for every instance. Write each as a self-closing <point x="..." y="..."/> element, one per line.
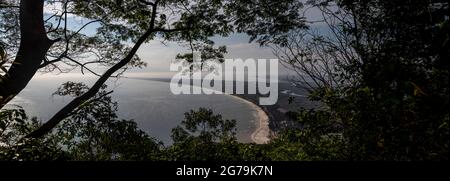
<point x="150" y="103"/>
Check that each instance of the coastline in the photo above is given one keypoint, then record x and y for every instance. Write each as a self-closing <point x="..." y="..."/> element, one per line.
<point x="270" y="118"/>
<point x="262" y="133"/>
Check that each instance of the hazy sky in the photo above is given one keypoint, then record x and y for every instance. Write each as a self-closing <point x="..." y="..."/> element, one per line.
<point x="158" y="56"/>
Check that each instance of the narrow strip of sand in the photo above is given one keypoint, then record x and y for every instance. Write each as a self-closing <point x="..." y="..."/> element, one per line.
<point x="262" y="133"/>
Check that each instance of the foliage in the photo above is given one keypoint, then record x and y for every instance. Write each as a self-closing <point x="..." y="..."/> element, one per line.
<point x="92" y="132"/>
<point x="380" y="72"/>
<point x="319" y="138"/>
<point x="111" y="32"/>
<point x="203" y="136"/>
<point x="100" y="32"/>
<point x="208" y="127"/>
<point x="14" y="126"/>
<point x="385" y="77"/>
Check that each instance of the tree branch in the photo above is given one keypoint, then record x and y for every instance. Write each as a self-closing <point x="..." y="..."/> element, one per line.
<point x="66" y="110"/>
<point x="34" y="44"/>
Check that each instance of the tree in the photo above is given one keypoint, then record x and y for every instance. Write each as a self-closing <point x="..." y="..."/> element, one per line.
<point x="205" y="136"/>
<point x="91" y="132"/>
<point x="52" y="44"/>
<point x="14" y="124"/>
<point x="201" y="135"/>
<point x="207" y="126"/>
<point x="94" y="132"/>
<point x="381" y="72"/>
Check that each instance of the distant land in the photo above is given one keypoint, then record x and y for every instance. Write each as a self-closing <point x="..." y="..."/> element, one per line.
<point x="278" y="119"/>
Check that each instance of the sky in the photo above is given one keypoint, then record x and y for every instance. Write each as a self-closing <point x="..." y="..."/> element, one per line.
<point x="158" y="56"/>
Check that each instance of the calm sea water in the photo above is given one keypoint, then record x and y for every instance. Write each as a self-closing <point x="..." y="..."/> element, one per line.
<point x="149" y="103"/>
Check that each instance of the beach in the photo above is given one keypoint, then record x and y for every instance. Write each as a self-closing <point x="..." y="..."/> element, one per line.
<point x="262" y="133"/>
<point x="270" y="119"/>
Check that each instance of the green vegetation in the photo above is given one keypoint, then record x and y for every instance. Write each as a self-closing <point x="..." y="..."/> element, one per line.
<point x="93" y="132"/>
<point x="380" y="72"/>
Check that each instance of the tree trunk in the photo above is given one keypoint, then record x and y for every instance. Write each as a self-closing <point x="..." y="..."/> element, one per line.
<point x="72" y="105"/>
<point x="34" y="45"/>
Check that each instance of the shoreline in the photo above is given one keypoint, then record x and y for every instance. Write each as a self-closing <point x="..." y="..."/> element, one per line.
<point x="262" y="133"/>
<point x="265" y="115"/>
